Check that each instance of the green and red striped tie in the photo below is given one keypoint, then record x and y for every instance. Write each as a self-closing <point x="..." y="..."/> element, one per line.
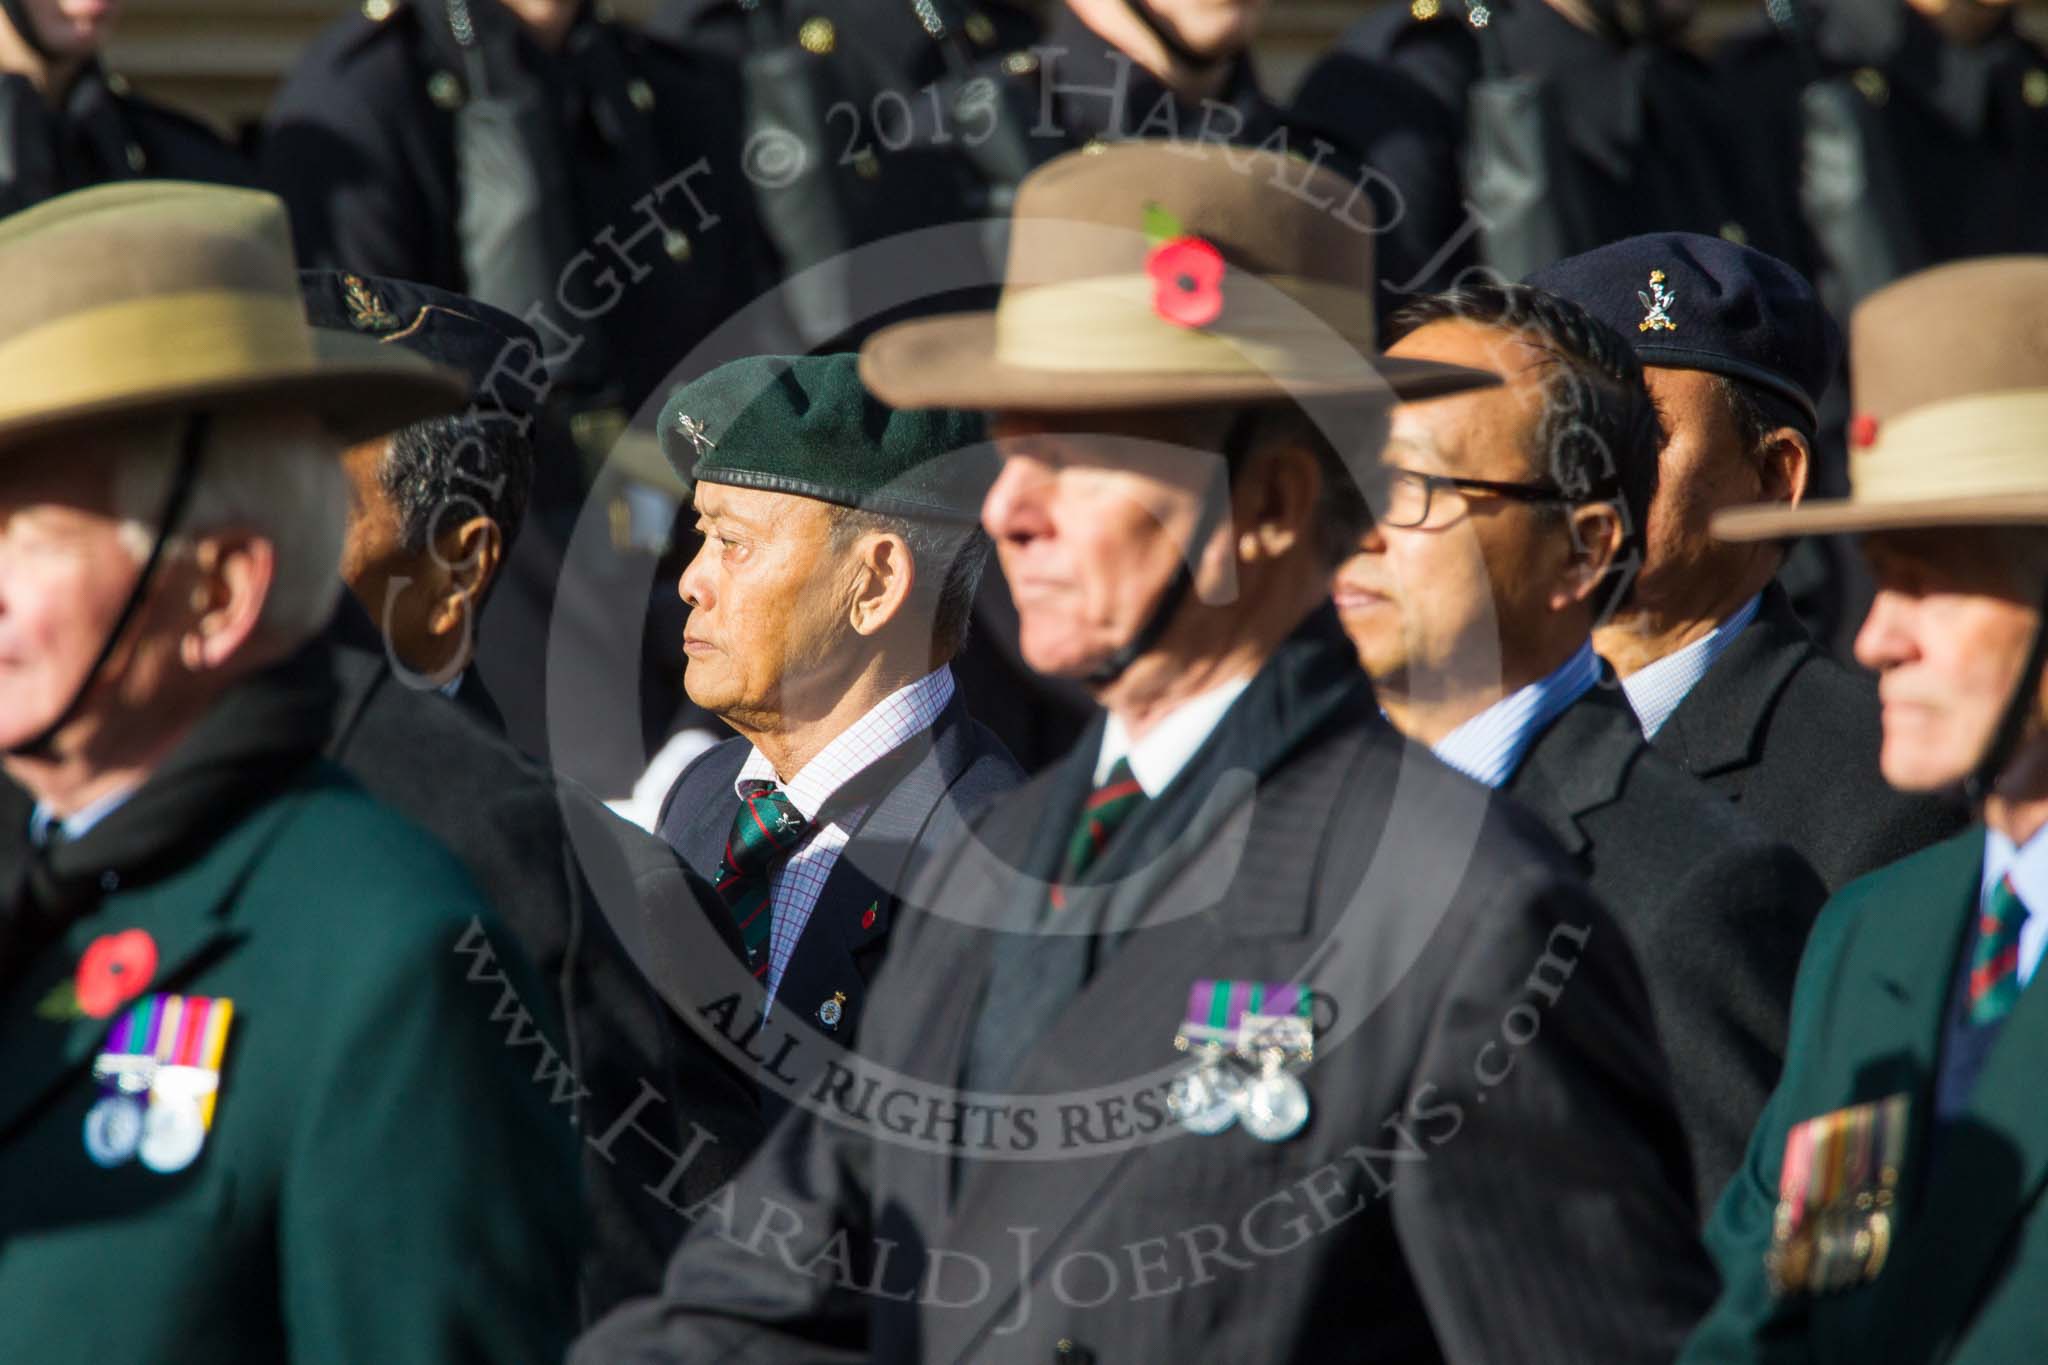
<point x="1995" y="961"/>
<point x="767" y="829"/>
<point x="1107" y="807"/>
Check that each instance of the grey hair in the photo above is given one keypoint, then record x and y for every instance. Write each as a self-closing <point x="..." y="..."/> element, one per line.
<point x="962" y="549"/>
<point x="275" y="474"/>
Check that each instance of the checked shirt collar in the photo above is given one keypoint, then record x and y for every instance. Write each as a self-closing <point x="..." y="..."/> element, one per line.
<point x="893" y="722"/>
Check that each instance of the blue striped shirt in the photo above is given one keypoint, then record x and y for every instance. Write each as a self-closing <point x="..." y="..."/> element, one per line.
<point x="1489" y="747"/>
<point x="1655" y="690"/>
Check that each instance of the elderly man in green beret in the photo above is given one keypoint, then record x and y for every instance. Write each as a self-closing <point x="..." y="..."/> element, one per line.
<point x="258" y="1100"/>
<point x="1889" y="1207"/>
<point x="839" y="563"/>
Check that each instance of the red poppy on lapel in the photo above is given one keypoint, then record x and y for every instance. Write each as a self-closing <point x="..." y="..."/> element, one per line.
<point x="115" y="969"/>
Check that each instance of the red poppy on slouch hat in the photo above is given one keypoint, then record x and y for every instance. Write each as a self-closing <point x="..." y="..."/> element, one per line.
<point x="1948" y="376"/>
<point x="1152" y="274"/>
<point x="1187" y="272"/>
<point x="1188" y="275"/>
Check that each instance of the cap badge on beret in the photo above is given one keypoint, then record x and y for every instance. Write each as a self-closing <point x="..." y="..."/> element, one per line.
<point x="1187" y="272"/>
<point x="1657" y="306"/>
<point x="694" y="432"/>
<point x="367" y="312"/>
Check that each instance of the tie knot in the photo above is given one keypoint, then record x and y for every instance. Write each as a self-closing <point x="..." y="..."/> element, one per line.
<point x="1107" y="807"/>
<point x="767" y="827"/>
<point x="2003" y="907"/>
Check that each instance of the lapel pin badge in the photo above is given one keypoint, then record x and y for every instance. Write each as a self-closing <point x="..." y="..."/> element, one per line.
<point x="833" y="1010"/>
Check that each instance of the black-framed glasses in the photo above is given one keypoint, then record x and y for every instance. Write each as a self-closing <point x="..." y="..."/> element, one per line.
<point x="1405" y="497"/>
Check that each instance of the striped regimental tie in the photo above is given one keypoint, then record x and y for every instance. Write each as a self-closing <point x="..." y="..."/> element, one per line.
<point x="1107" y="807"/>
<point x="767" y="829"/>
<point x="1995" y="961"/>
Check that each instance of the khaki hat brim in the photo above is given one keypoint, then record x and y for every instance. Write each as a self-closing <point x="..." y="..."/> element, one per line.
<point x="950" y="362"/>
<point x="1775" y="521"/>
<point x="361" y="389"/>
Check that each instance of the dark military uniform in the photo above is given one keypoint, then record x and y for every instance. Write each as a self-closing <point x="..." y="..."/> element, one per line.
<point x="1949" y="140"/>
<point x="1569" y="139"/>
<point x="362" y="144"/>
<point x="640" y="242"/>
<point x="99" y="131"/>
<point x="903" y="40"/>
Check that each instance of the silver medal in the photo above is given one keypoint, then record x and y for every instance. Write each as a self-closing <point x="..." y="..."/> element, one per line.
<point x="113" y="1128"/>
<point x="1205" y="1101"/>
<point x="172" y="1134"/>
<point x="1274" y="1107"/>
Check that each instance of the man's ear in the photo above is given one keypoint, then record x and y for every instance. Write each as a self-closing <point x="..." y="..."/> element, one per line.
<point x="883" y="581"/>
<point x="235" y="571"/>
<point x="468" y="554"/>
<point x="1786" y="467"/>
<point x="1596" y="535"/>
<point x="1273" y="502"/>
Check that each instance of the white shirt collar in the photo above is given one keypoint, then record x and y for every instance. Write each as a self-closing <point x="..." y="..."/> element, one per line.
<point x="1490" y="746"/>
<point x="79" y="821"/>
<point x="1168" y="746"/>
<point x="888" y="725"/>
<point x="1655" y="690"/>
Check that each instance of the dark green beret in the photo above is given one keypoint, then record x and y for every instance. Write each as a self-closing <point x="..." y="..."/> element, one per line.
<point x="806" y="425"/>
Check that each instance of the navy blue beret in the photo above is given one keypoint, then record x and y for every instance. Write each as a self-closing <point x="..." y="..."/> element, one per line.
<point x="1691" y="302"/>
<point x="499" y="353"/>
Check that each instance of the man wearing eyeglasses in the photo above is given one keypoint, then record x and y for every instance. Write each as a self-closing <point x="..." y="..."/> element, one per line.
<point x="1508" y="522"/>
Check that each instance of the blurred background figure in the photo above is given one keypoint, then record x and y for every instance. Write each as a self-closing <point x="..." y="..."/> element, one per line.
<point x="66" y="122"/>
<point x="1904" y="133"/>
<point x="1528" y="130"/>
<point x="576" y="173"/>
<point x="434" y="508"/>
<point x="592" y="902"/>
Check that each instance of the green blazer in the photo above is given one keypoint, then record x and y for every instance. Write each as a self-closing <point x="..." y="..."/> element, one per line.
<point x="383" y="1180"/>
<point x="1966" y="1277"/>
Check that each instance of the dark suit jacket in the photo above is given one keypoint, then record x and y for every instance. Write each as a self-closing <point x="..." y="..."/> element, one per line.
<point x="1792" y="736"/>
<point x="1451" y="1197"/>
<point x="575" y="886"/>
<point x="842" y="946"/>
<point x="1966" y="1278"/>
<point x="1716" y="910"/>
